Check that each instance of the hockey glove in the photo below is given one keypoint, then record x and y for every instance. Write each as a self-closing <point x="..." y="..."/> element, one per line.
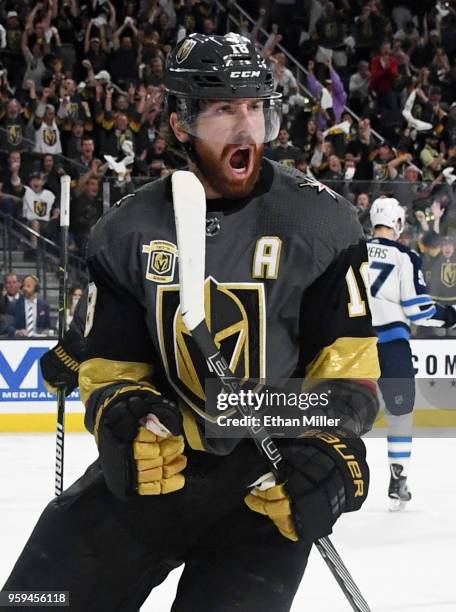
<point x="141" y="446"/>
<point x="327" y="476"/>
<point x="59" y="370"/>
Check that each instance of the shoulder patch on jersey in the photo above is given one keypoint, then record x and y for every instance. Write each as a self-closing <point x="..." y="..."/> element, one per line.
<point x="161" y="260"/>
<point x="319" y="187"/>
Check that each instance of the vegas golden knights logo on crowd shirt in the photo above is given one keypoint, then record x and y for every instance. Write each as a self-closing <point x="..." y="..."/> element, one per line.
<point x="235" y="315"/>
<point x="49" y="136"/>
<point x="330" y="30"/>
<point x="448" y="274"/>
<point x="14" y="134"/>
<point x="73" y="110"/>
<point x="13" y="38"/>
<point x="39" y="208"/>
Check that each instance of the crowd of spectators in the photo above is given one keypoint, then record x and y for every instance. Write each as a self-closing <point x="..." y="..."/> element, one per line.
<point x="24" y="314"/>
<point x="81" y="93"/>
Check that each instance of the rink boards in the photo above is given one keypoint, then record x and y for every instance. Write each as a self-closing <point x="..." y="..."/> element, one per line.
<point x="26" y="405"/>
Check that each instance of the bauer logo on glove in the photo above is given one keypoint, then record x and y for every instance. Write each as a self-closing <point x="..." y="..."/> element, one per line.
<point x="327" y="476"/>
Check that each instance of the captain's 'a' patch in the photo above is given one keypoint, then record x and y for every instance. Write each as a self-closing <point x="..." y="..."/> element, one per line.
<point x="161" y="260"/>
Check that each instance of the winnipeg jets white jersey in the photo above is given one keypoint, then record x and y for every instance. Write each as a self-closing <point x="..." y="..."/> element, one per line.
<point x="398" y="292"/>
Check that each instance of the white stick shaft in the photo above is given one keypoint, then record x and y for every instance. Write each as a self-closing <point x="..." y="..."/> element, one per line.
<point x="189" y="202"/>
<point x="65" y="200"/>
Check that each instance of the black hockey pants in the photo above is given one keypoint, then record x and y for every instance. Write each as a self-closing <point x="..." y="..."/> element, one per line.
<point x="109" y="554"/>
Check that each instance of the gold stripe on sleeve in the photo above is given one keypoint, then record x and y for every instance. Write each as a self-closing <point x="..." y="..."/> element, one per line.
<point x="347" y="358"/>
<point x="97" y="373"/>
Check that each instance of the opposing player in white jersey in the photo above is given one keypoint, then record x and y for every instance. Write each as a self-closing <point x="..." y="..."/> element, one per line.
<point x="398" y="298"/>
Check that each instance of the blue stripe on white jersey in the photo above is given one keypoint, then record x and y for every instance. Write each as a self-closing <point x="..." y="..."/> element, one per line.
<point x="395" y="333"/>
<point x="421" y="299"/>
<point x="399" y="295"/>
<point x="426" y="314"/>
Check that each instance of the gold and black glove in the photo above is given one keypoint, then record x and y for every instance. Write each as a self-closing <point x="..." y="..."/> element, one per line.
<point x="134" y="459"/>
<point x="327" y="476"/>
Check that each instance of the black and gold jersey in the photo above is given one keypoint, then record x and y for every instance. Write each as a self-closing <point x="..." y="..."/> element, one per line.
<point x="284" y="296"/>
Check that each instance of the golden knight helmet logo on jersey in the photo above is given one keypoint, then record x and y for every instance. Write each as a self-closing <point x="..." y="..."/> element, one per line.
<point x="235" y="317"/>
<point x="161" y="261"/>
<point x="39" y="208"/>
<point x="14" y="134"/>
<point x="49" y="136"/>
<point x="73" y="110"/>
<point x="448" y="275"/>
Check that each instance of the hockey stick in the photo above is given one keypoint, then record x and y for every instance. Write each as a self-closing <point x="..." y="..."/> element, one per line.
<point x="189" y="201"/>
<point x="63" y="278"/>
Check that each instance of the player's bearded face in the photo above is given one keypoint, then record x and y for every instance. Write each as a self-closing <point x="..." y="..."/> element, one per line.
<point x="229" y="145"/>
<point x="230" y="170"/>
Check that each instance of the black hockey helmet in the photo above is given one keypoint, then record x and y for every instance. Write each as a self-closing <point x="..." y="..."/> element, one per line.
<point x="229" y="68"/>
<point x="218" y="67"/>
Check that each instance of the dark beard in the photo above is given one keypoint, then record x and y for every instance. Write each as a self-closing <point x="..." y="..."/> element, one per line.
<point x="210" y="167"/>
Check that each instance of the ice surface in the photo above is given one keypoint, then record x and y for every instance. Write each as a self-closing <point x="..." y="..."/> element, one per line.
<point x="401" y="561"/>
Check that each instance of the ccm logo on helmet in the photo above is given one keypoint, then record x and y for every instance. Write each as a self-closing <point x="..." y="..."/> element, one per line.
<point x="237" y="74"/>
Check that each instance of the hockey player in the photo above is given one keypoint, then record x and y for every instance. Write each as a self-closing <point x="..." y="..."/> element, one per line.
<point x="284" y="298"/>
<point x="399" y="297"/>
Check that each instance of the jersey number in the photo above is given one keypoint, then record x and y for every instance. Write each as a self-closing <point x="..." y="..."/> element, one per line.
<point x="356" y="305"/>
<point x="385" y="270"/>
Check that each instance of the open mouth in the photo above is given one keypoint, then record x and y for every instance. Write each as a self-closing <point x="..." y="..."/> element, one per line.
<point x="241" y="160"/>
